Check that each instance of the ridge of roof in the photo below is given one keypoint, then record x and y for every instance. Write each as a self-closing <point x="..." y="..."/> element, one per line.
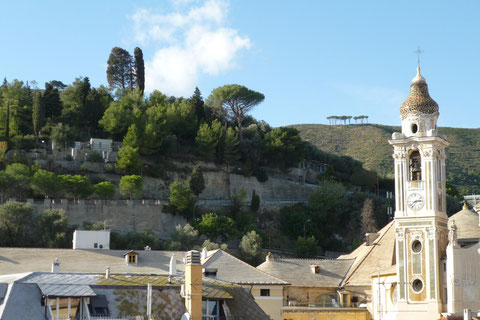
<point x="349" y="274"/>
<point x="310" y="259"/>
<point x="209" y="256"/>
<point x="249" y="265"/>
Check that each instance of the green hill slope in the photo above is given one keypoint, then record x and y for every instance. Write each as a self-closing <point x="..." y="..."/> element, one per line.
<point x="368" y="143"/>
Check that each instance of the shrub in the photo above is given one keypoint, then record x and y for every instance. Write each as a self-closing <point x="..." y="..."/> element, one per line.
<point x="95" y="157"/>
<point x="26" y="142"/>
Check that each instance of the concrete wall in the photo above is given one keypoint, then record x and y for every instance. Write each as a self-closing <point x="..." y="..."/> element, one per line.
<point x="463" y="277"/>
<point x="123" y="216"/>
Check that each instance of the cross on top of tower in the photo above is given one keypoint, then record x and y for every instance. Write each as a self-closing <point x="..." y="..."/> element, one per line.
<point x="418" y="52"/>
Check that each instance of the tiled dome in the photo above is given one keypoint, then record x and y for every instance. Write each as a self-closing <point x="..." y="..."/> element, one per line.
<point x="418" y="99"/>
<point x="467" y="223"/>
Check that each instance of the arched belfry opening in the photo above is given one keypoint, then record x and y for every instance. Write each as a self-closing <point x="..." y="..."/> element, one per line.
<point x="415" y="166"/>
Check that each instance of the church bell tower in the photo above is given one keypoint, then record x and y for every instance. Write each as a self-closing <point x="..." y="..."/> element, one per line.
<point x="420" y="204"/>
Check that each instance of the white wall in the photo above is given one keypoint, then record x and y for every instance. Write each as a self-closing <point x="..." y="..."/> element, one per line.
<point x="86" y="239"/>
<point x="463" y="278"/>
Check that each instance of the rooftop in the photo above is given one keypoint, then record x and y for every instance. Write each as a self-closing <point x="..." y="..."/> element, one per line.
<point x="297" y="271"/>
<point x="377" y="256"/>
<point x="467" y="223"/>
<point x="236" y="271"/>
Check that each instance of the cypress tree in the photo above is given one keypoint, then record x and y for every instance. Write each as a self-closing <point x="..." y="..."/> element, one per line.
<point x="198" y="104"/>
<point x="139" y="69"/>
<point x="368" y="219"/>
<point x="38" y="113"/>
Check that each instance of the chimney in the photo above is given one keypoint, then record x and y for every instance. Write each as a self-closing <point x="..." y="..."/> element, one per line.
<point x="193" y="284"/>
<point x="370" y="238"/>
<point x="269" y="257"/>
<point x="107" y="273"/>
<point x="315" y="268"/>
<point x="172" y="271"/>
<point x="56" y="266"/>
<point x="204" y="254"/>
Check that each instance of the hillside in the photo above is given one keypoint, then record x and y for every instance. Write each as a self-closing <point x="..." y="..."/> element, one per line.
<point x="368" y="143"/>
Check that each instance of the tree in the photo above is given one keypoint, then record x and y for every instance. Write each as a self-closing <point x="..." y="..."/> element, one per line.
<point x="208" y="138"/>
<point x="120" y="114"/>
<point x="183" y="238"/>
<point x="133" y="137"/>
<point x="369" y="224"/>
<point x="120" y="69"/>
<point x="251" y="247"/>
<point x="230" y="147"/>
<point x="5" y="185"/>
<point x="180" y="196"/>
<point x="61" y="135"/>
<point x="198" y="104"/>
<point x="283" y="147"/>
<point x="45" y="182"/>
<point x="59" y="85"/>
<point x="255" y="202"/>
<point x="16" y="227"/>
<point x="210" y="245"/>
<point x="51" y="101"/>
<point x="129" y="160"/>
<point x="214" y="226"/>
<point x="95" y="105"/>
<point x="74" y="100"/>
<point x="104" y="190"/>
<point x="52" y="227"/>
<point x="197" y="182"/>
<point x="306" y="247"/>
<point x="77" y="186"/>
<point x="19" y="176"/>
<point x="17" y="101"/>
<point x="327" y="212"/>
<point x="235" y="101"/>
<point x="38" y="113"/>
<point x="139" y="69"/>
<point x="131" y="185"/>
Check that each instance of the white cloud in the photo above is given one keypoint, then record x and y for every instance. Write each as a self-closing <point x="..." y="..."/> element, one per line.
<point x="191" y="41"/>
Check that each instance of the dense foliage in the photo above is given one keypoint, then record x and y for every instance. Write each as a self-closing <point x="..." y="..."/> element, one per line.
<point x="369" y="145"/>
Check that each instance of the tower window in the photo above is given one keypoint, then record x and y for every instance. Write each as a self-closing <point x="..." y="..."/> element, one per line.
<point x="417" y="285"/>
<point x="416" y="246"/>
<point x="414" y="128"/>
<point x="415" y="166"/>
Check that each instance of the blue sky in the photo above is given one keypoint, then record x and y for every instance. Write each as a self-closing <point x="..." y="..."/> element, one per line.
<point x="311" y="59"/>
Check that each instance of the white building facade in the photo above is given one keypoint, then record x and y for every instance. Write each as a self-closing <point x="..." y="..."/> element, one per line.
<point x="90" y="239"/>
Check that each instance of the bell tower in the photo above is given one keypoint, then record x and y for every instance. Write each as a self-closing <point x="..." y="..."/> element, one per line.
<point x="420" y="204"/>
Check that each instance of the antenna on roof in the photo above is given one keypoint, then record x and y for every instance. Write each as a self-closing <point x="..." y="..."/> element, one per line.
<point x="418" y="52"/>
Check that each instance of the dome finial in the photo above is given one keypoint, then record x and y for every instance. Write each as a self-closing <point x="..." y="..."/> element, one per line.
<point x="418" y="77"/>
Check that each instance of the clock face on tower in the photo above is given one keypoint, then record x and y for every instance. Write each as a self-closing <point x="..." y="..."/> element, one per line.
<point x="415" y="201"/>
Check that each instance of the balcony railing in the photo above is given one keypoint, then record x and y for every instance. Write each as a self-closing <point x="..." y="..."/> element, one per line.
<point x="327" y="305"/>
